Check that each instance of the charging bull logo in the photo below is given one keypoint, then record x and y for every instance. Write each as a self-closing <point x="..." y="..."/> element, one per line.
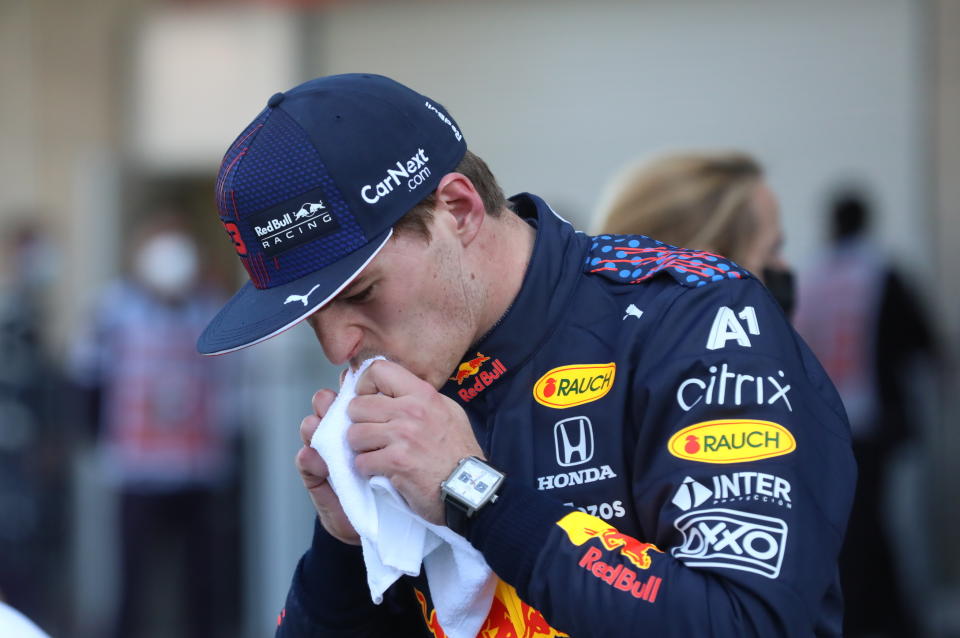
<point x="472" y="368"/>
<point x="469" y="368"/>
<point x="581" y="527"/>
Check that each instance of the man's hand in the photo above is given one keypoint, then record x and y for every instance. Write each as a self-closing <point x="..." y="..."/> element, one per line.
<point x="405" y="430"/>
<point x="313" y="470"/>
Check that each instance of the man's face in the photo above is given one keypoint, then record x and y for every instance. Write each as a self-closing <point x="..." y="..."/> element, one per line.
<point x="415" y="304"/>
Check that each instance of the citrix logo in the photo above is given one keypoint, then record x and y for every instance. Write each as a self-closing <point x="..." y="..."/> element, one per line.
<point x="741" y="388"/>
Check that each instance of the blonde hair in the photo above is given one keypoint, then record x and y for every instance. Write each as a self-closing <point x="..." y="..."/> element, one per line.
<point x="693" y="200"/>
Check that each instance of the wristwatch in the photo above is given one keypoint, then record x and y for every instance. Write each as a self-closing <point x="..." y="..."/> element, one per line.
<point x="472" y="485"/>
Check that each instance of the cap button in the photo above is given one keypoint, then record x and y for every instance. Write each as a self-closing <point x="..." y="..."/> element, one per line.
<point x="275" y="99"/>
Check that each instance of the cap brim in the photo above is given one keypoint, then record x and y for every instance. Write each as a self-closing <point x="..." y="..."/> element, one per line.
<point x="254" y="315"/>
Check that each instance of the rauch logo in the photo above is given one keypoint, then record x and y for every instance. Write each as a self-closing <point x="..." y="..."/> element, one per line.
<point x="567" y="386"/>
<point x="731" y="441"/>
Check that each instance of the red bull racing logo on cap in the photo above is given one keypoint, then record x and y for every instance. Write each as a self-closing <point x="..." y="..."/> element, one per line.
<point x="581" y="528"/>
<point x="567" y="386"/>
<point x="472" y="368"/>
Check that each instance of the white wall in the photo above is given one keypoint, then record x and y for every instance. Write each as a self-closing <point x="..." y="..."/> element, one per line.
<point x="558" y="96"/>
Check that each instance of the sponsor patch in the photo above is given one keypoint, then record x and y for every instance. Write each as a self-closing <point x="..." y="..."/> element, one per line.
<point x="581" y="528"/>
<point x="569" y="386"/>
<point x="413" y="172"/>
<point x="481" y="380"/>
<point x="605" y="511"/>
<point x="731" y="441"/>
<point x="280" y="231"/>
<point x="734" y="487"/>
<point x="726" y="328"/>
<point x="622" y="576"/>
<point x="575" y="477"/>
<point x="726" y="387"/>
<point x="732" y="540"/>
<point x="446" y="120"/>
<point x="573" y="440"/>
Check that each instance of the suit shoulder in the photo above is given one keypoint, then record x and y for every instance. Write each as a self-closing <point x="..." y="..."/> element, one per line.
<point x="636" y="259"/>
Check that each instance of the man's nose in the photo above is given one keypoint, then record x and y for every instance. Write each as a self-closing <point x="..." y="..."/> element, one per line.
<point x="339" y="339"/>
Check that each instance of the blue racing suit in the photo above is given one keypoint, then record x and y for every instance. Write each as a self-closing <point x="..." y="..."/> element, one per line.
<point x="677" y="462"/>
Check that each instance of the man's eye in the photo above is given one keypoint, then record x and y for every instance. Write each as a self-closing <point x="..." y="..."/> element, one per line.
<point x="360" y="297"/>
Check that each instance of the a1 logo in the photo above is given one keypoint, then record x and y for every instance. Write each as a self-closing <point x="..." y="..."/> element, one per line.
<point x="726" y="327"/>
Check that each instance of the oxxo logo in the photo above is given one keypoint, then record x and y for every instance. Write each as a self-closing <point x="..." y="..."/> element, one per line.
<point x="733" y="540"/>
<point x="414" y="170"/>
<point x="569" y="386"/>
<point x="731" y="441"/>
<point x="726" y="327"/>
<point x="573" y="440"/>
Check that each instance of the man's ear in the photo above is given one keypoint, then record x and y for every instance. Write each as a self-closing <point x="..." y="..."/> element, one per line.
<point x="457" y="196"/>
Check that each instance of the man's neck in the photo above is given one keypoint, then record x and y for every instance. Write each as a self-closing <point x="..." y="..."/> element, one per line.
<point x="507" y="247"/>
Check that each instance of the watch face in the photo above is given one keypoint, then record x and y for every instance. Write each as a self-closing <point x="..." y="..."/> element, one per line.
<point x="473" y="482"/>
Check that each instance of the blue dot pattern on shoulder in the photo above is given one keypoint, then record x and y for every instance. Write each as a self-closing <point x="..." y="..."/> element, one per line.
<point x="631" y="259"/>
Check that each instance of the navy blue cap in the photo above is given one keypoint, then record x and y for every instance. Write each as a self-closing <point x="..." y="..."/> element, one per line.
<point x="310" y="190"/>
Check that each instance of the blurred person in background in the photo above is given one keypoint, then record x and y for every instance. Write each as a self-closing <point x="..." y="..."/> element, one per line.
<point x="716" y="202"/>
<point x="164" y="431"/>
<point x="34" y="449"/>
<point x="868" y="328"/>
<point x="574" y="369"/>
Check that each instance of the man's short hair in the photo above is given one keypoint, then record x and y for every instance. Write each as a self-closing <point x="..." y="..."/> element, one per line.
<point x="417" y="220"/>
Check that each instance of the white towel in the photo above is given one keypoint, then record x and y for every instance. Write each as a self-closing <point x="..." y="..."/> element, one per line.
<point x="395" y="540"/>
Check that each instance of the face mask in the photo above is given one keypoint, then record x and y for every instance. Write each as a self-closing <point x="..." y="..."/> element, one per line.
<point x="781" y="285"/>
<point x="167" y="263"/>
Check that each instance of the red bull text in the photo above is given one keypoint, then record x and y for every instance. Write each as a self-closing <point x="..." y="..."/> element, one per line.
<point x="581" y="527"/>
<point x="484" y="378"/>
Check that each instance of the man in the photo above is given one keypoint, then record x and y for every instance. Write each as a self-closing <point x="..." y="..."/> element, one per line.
<point x="164" y="436"/>
<point x="866" y="324"/>
<point x="675" y="460"/>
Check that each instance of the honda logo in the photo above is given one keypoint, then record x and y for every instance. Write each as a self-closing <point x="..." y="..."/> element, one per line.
<point x="573" y="439"/>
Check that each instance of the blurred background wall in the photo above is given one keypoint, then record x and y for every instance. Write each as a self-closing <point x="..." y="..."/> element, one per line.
<point x="112" y="106"/>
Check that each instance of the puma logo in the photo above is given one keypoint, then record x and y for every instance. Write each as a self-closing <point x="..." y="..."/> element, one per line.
<point x="302" y="298"/>
<point x="633" y="311"/>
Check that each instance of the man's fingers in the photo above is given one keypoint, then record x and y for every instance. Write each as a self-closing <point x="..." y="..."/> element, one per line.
<point x="313" y="469"/>
<point x="390" y="379"/>
<point x="307" y="427"/>
<point x="364" y="437"/>
<point x="322" y="400"/>
<point x="375" y="408"/>
<point x="378" y="462"/>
